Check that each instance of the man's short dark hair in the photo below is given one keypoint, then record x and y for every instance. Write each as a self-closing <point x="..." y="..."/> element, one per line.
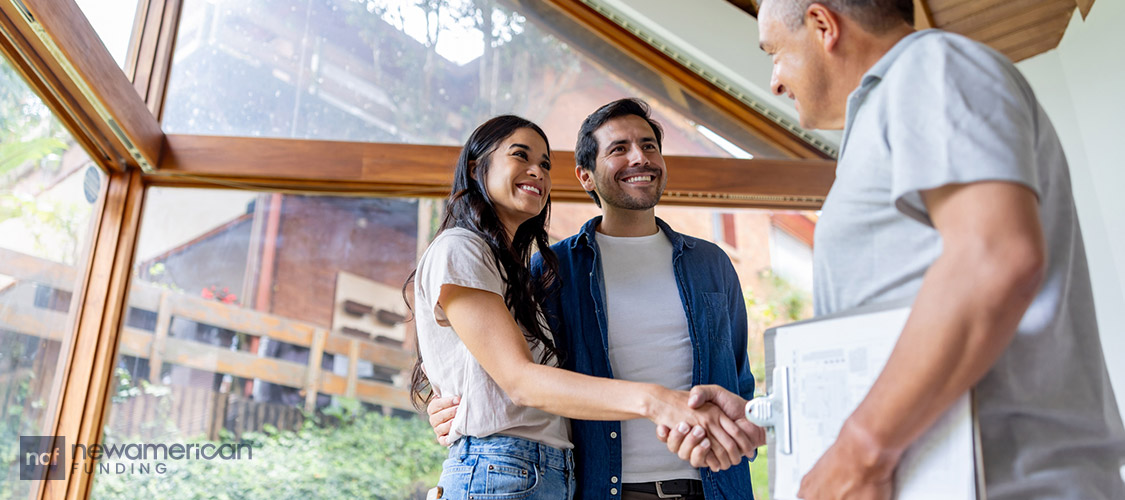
<point x="586" y="151"/>
<point x="875" y="16"/>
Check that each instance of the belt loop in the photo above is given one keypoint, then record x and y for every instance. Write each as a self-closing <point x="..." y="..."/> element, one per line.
<point x="464" y="447"/>
<point x="542" y="448"/>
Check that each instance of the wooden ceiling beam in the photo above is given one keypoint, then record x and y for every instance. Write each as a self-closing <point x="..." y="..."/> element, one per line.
<point x="1029" y="19"/>
<point x="414" y="170"/>
<point x="1018" y="28"/>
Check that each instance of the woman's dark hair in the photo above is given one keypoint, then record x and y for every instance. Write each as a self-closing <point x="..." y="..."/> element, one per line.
<point x="469" y="207"/>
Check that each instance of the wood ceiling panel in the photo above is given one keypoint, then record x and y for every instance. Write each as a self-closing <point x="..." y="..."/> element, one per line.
<point x="1018" y="28"/>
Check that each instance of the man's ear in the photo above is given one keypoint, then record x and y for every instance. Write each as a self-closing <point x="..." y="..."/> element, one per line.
<point x="473" y="169"/>
<point x="826" y="25"/>
<point x="585" y="178"/>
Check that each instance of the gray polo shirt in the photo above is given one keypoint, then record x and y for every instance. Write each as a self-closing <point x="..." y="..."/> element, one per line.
<point x="940" y="109"/>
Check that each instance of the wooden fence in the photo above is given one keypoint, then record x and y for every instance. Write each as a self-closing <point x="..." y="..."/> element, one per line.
<point x="159" y="348"/>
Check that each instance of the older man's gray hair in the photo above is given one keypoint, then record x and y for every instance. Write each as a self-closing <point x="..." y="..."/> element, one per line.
<point x="876" y="16"/>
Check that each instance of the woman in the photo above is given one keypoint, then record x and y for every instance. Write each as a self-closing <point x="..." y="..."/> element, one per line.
<point x="482" y="335"/>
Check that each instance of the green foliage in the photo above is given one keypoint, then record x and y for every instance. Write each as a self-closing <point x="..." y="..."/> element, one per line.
<point x="29" y="132"/>
<point x="759" y="474"/>
<point x="32" y="141"/>
<point x="776" y="301"/>
<point x="13" y="424"/>
<point x="55" y="225"/>
<point x="773" y="302"/>
<point x="367" y="456"/>
<point x="15" y="154"/>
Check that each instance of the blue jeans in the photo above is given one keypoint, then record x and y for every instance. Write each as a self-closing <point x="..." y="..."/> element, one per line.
<point x="506" y="468"/>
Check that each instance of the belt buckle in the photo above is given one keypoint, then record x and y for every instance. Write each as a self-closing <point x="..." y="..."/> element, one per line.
<point x="660" y="492"/>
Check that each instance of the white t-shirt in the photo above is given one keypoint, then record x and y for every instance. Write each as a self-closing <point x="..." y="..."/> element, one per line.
<point x="940" y="109"/>
<point x="460" y="257"/>
<point x="649" y="341"/>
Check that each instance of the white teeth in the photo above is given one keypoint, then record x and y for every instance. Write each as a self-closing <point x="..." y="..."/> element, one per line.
<point x="530" y="189"/>
<point x="639" y="178"/>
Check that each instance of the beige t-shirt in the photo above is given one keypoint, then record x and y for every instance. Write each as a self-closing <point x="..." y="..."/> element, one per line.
<point x="460" y="257"/>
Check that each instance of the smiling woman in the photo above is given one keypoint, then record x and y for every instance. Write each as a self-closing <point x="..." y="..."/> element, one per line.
<point x="518" y="178"/>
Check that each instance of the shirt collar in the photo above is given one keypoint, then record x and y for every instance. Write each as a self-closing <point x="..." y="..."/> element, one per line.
<point x="873" y="76"/>
<point x="880" y="68"/>
<point x="586" y="234"/>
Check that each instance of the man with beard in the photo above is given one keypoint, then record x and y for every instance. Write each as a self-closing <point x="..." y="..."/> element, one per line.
<point x="638" y="301"/>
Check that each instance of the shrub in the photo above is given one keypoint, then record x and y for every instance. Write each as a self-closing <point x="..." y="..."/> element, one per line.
<point x="367" y="456"/>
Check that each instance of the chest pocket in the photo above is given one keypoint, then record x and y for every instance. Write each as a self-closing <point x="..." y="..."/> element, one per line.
<point x="716" y="329"/>
<point x="716" y="321"/>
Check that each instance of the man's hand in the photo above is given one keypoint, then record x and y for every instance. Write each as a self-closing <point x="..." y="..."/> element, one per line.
<point x="719" y="442"/>
<point x="685" y="444"/>
<point x="853" y="468"/>
<point x="441" y="412"/>
<point x="687" y="441"/>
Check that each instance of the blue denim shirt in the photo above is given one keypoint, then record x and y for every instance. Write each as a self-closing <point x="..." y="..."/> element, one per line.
<point x="716" y="313"/>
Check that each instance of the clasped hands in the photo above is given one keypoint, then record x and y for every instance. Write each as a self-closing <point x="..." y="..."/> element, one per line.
<point x="705" y="427"/>
<point x="720" y="436"/>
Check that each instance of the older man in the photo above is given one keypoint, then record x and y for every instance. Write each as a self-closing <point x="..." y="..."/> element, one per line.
<point x="951" y="189"/>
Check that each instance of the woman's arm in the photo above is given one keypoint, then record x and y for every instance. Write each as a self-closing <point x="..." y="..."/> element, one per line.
<point x="487" y="328"/>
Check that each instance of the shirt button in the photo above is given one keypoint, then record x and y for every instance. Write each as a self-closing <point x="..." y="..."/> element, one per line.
<point x="613" y="479"/>
<point x="613" y="435"/>
<point x="613" y="491"/>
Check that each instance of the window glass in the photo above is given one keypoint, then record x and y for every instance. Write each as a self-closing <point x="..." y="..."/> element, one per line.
<point x="113" y="21"/>
<point x="271" y="326"/>
<point x="50" y="191"/>
<point x="413" y="71"/>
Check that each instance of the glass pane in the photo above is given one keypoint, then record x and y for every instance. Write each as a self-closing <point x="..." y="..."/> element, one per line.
<point x="772" y="253"/>
<point x="49" y="191"/>
<point x="233" y="292"/>
<point x="414" y="71"/>
<point x="113" y="21"/>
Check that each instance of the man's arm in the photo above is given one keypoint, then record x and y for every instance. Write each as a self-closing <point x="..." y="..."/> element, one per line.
<point x="964" y="317"/>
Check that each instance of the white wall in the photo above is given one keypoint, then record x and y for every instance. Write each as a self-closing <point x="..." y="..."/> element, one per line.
<point x="1081" y="84"/>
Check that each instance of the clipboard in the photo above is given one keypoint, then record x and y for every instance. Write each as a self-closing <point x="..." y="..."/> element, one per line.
<point x="818" y="371"/>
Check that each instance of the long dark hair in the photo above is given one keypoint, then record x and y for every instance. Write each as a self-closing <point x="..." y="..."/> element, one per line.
<point x="469" y="207"/>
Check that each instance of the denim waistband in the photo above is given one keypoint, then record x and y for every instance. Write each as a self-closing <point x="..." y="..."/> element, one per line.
<point x="539" y="453"/>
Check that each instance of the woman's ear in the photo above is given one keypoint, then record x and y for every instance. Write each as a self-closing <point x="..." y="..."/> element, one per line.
<point x="473" y="169"/>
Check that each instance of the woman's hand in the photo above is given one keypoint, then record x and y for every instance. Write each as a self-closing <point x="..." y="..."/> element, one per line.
<point x="441" y="412"/>
<point x="686" y="442"/>
<point x="718" y="442"/>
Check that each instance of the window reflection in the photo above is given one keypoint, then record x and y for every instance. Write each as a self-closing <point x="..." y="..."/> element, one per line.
<point x="275" y="320"/>
<point x="410" y="71"/>
<point x="49" y="190"/>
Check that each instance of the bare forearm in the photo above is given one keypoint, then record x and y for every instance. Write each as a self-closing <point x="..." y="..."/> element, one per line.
<point x="574" y="395"/>
<point x="964" y="317"/>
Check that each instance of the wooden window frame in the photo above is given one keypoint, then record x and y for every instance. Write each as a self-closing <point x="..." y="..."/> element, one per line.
<point x="114" y="115"/>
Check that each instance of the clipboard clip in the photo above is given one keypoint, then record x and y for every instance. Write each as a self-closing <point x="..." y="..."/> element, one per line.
<point x="772" y="410"/>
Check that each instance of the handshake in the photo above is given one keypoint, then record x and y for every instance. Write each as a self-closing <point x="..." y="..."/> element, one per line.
<point x="705" y="426"/>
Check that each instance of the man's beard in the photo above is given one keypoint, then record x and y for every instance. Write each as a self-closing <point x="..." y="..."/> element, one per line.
<point x="617" y="197"/>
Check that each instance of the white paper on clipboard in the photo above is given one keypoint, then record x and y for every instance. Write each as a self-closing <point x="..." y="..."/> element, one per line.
<point x="832" y="363"/>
